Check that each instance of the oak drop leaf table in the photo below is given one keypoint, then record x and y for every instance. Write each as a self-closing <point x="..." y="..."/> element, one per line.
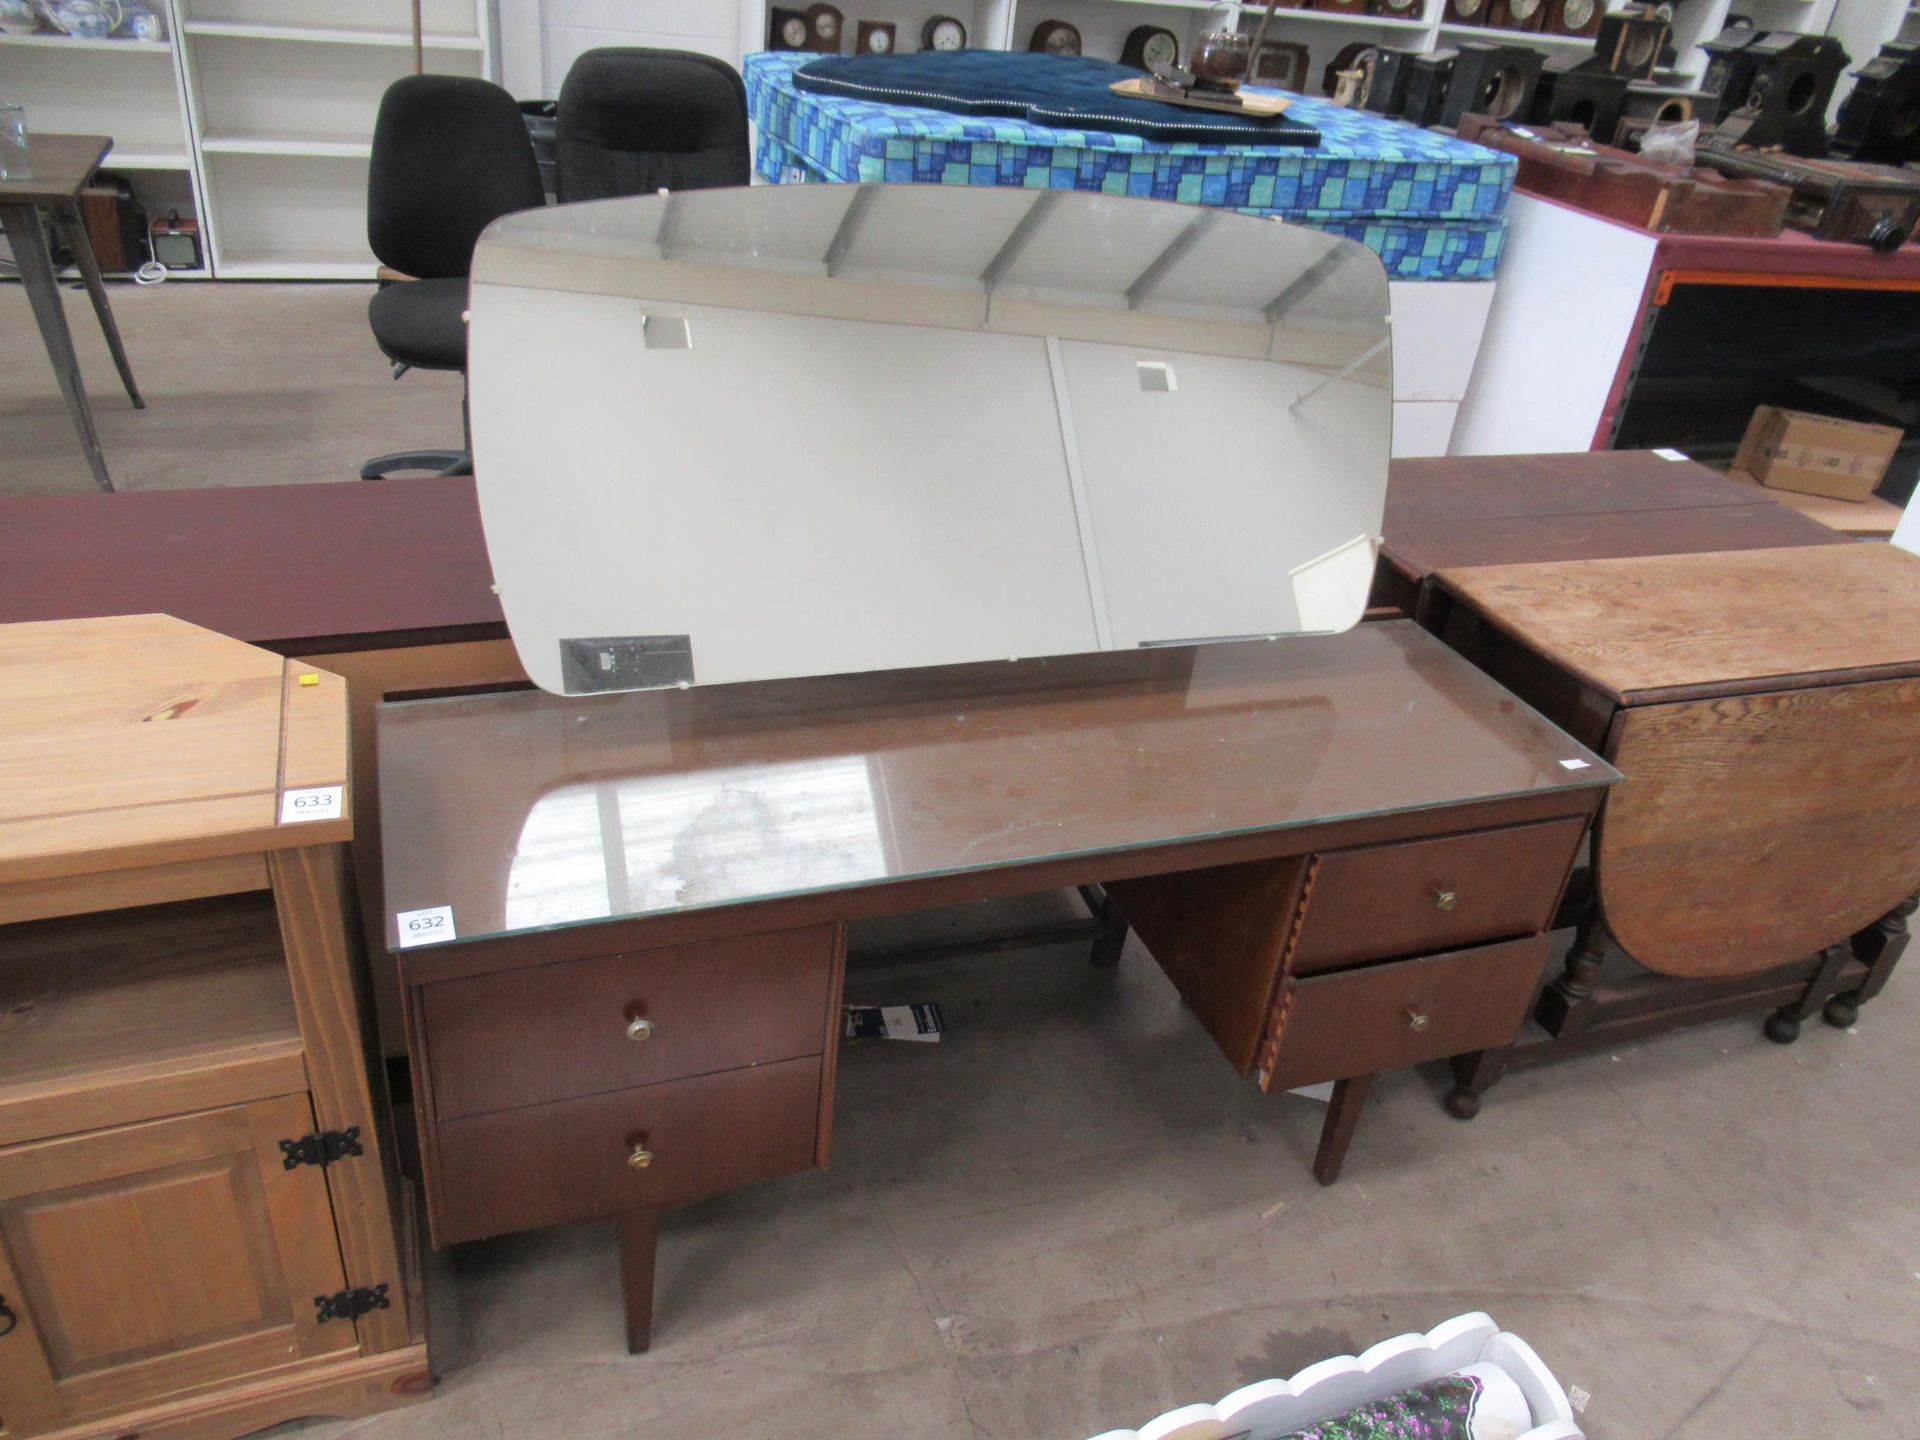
<point x="1764" y="706"/>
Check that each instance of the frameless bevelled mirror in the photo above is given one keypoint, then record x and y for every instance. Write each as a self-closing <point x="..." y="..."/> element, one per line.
<point x="744" y="434"/>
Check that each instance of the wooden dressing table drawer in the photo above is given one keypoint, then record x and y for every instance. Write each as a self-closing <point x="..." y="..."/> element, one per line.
<point x="604" y="1154"/>
<point x="1406" y="1012"/>
<point x="1421" y="896"/>
<point x="557" y="1032"/>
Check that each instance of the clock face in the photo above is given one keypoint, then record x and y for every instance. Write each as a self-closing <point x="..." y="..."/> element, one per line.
<point x="1467" y="9"/>
<point x="826" y="24"/>
<point x="793" y="32"/>
<point x="1062" y="40"/>
<point x="1161" y="50"/>
<point x="1577" y="14"/>
<point x="879" y="42"/>
<point x="1522" y="10"/>
<point x="1640" y="49"/>
<point x="947" y="35"/>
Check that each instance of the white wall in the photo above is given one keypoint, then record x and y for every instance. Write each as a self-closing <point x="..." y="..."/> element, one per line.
<point x="540" y="39"/>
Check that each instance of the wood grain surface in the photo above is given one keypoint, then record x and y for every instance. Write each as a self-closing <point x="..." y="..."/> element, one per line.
<point x="1754" y="830"/>
<point x="61" y="164"/>
<point x="120" y="1017"/>
<point x="1381" y="1017"/>
<point x="556" y="1032"/>
<point x="1420" y="896"/>
<point x="142" y="740"/>
<point x="165" y="1255"/>
<point x="552" y="1164"/>
<point x="345" y="1076"/>
<point x="1461" y="488"/>
<point x="1419" y="548"/>
<point x="1219" y="933"/>
<point x="293" y="568"/>
<point x="1633" y="628"/>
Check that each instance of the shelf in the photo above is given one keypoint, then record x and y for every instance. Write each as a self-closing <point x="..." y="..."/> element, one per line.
<point x="328" y="34"/>
<point x="1334" y="17"/>
<point x="133" y="1014"/>
<point x="296" y="265"/>
<point x="70" y="42"/>
<point x="148" y="157"/>
<point x="1501" y="36"/>
<point x="349" y="147"/>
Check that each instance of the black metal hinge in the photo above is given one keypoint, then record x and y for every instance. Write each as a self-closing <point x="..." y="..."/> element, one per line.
<point x="321" y="1148"/>
<point x="351" y="1304"/>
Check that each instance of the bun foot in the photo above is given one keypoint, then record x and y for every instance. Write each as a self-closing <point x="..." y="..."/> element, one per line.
<point x="1462" y="1104"/>
<point x="1840" y="1012"/>
<point x="1782" y="1028"/>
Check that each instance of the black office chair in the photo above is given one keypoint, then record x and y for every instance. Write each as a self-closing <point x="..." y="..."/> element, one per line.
<point x="633" y="121"/>
<point x="450" y="156"/>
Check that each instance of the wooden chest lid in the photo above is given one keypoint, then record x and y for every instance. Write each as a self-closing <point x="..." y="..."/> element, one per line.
<point x="141" y="739"/>
<point x="1664" y="627"/>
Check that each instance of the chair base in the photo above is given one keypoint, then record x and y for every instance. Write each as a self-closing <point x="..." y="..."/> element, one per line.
<point x="436" y="462"/>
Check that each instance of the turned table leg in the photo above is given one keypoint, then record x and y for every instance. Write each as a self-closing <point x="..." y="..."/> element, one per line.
<point x="1879" y="947"/>
<point x="639" y="1238"/>
<point x="1343" y="1118"/>
<point x="1473" y="1075"/>
<point x="1566" y="1006"/>
<point x="1783" y="1025"/>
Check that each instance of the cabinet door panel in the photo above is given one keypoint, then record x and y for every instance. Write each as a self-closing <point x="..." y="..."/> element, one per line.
<point x="153" y="1258"/>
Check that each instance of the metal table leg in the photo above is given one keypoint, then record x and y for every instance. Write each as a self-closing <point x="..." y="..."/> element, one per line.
<point x="29" y="244"/>
<point x="75" y="230"/>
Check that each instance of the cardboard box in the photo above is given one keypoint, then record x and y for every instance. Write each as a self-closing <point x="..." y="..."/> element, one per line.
<point x="1870" y="519"/>
<point x="1815" y="454"/>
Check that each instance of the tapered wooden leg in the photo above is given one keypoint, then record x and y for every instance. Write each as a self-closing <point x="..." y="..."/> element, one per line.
<point x="1110" y="938"/>
<point x="639" y="1238"/>
<point x="1343" y="1118"/>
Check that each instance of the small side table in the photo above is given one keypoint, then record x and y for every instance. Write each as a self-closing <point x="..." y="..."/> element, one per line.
<point x="62" y="166"/>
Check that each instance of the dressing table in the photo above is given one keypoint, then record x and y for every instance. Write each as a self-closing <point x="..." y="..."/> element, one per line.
<point x="1343" y="850"/>
<point x="1042" y="569"/>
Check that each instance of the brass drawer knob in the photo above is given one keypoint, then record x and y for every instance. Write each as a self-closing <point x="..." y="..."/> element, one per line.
<point x="1443" y="899"/>
<point x="639" y="1028"/>
<point x="640" y="1157"/>
<point x="1416" y="1019"/>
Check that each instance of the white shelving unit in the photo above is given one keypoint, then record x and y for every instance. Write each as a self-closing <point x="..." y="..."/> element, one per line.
<point x="1862" y="25"/>
<point x="256" y="116"/>
<point x="129" y="89"/>
<point x="281" y="95"/>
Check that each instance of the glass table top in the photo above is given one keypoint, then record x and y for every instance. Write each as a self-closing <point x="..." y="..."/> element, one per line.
<point x="523" y="811"/>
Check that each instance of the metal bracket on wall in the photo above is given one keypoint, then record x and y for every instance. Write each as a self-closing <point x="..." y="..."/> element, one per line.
<point x="321" y="1148"/>
<point x="350" y="1304"/>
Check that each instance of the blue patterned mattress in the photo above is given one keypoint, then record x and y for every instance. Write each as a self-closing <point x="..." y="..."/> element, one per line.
<point x="1433" y="207"/>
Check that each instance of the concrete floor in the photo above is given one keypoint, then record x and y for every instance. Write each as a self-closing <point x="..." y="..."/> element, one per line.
<point x="1070" y="1214"/>
<point x="245" y="385"/>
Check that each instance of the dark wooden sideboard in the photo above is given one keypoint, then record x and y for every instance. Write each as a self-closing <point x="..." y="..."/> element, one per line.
<point x="621" y="920"/>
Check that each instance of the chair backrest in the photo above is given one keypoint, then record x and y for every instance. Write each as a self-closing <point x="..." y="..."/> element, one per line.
<point x="633" y="121"/>
<point x="450" y="156"/>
